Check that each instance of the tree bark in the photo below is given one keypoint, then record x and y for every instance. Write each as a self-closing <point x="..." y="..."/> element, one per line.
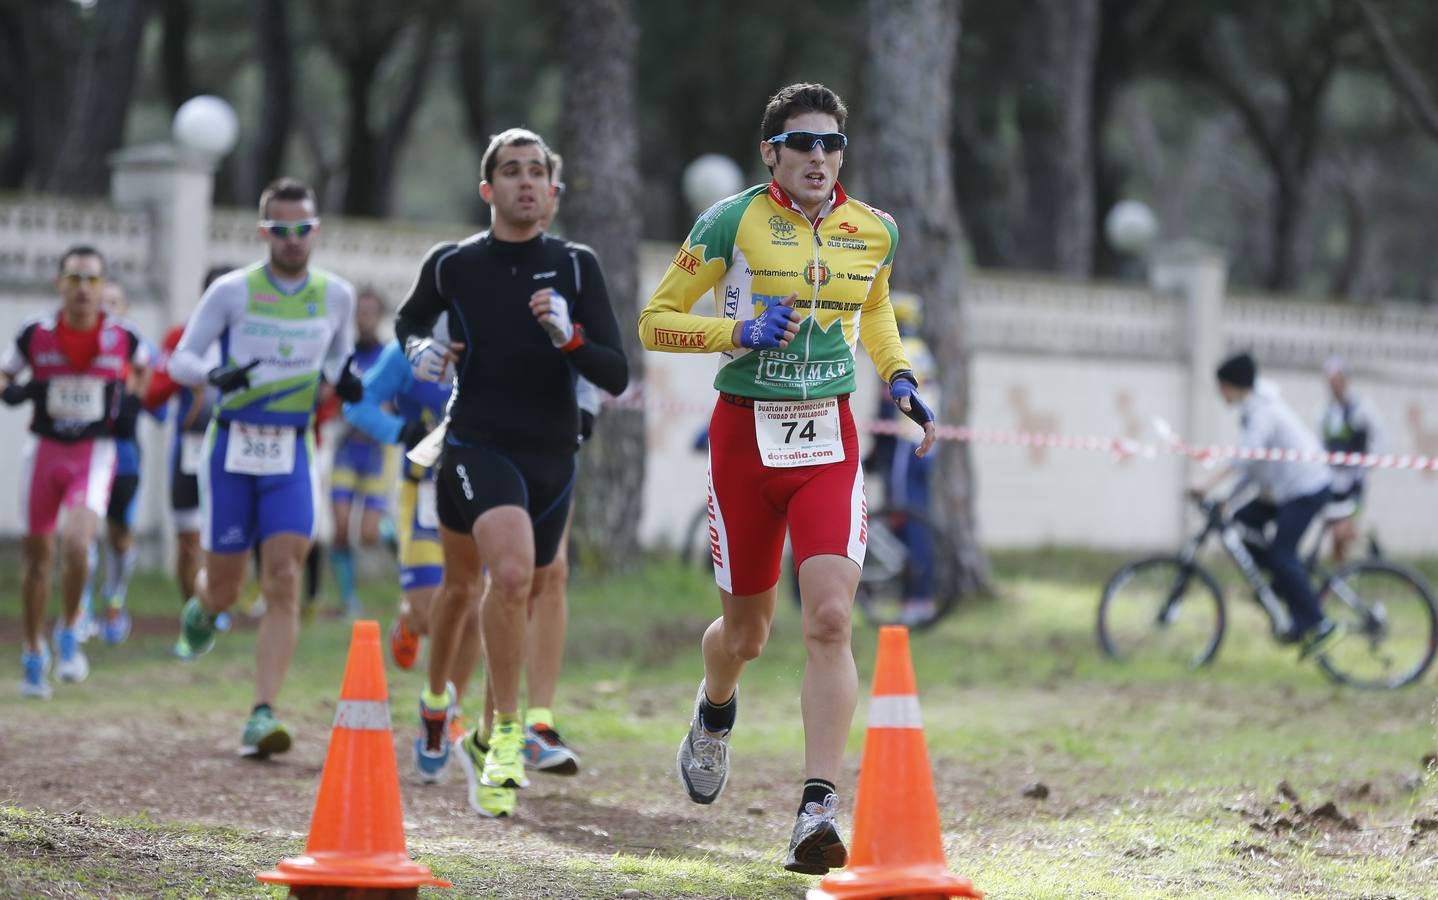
<point x="359" y="41"/>
<point x="599" y="139"/>
<point x="469" y="71"/>
<point x="1302" y="45"/>
<point x="1400" y="71"/>
<point x="1057" y="62"/>
<point x="909" y="66"/>
<point x="275" y="52"/>
<point x="15" y="82"/>
<point x="174" y="52"/>
<point x="92" y="120"/>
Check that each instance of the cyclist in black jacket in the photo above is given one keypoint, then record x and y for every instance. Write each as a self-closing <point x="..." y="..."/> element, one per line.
<point x="528" y="314"/>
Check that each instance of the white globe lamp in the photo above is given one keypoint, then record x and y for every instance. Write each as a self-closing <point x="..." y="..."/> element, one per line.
<point x="709" y="179"/>
<point x="1130" y="226"/>
<point x="206" y="124"/>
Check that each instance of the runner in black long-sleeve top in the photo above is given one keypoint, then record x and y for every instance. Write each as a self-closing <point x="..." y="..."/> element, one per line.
<point x="528" y="314"/>
<point x="515" y="389"/>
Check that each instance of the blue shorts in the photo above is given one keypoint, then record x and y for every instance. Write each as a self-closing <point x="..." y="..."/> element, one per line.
<point x="127" y="457"/>
<point x="366" y="470"/>
<point x="239" y="511"/>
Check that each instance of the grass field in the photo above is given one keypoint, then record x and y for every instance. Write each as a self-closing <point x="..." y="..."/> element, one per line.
<point x="1254" y="778"/>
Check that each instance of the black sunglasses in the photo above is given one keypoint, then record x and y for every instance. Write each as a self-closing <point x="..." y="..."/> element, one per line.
<point x="833" y="141"/>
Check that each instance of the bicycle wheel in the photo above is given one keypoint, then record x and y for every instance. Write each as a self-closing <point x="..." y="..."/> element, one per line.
<point x="1160" y="609"/>
<point x="694" y="547"/>
<point x="1391" y="621"/>
<point x="909" y="576"/>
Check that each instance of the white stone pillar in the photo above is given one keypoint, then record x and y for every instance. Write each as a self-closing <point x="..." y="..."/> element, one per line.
<point x="1198" y="274"/>
<point x="175" y="187"/>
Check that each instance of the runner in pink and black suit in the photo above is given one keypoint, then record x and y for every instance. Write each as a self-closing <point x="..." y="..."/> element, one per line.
<point x="78" y="359"/>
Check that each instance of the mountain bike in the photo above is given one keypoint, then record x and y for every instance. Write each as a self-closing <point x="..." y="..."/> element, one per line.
<point x="893" y="575"/>
<point x="1170" y="605"/>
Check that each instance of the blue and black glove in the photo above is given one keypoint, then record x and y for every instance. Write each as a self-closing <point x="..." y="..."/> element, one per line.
<point x="768" y="330"/>
<point x="903" y="385"/>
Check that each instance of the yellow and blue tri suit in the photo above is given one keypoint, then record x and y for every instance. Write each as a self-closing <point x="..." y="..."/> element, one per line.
<point x="389" y="380"/>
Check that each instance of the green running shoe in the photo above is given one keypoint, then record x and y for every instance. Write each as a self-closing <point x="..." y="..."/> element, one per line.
<point x="504" y="763"/>
<point x="197" y="628"/>
<point x="490" y="802"/>
<point x="264" y="736"/>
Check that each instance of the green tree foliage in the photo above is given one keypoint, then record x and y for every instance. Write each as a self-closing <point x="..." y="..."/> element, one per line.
<point x="1298" y="135"/>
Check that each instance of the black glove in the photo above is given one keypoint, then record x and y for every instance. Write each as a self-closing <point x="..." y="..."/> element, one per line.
<point x="231" y="378"/>
<point x="412" y="433"/>
<point x="15" y="394"/>
<point x="586" y="425"/>
<point x="130" y="406"/>
<point x="350" y="387"/>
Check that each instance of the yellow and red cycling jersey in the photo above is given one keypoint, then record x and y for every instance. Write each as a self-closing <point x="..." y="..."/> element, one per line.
<point x="753" y="250"/>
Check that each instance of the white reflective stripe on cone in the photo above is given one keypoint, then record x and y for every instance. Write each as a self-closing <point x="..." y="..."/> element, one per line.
<point x="363" y="715"/>
<point x="895" y="711"/>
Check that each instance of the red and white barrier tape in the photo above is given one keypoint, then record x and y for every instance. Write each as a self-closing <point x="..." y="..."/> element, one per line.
<point x="1121" y="448"/>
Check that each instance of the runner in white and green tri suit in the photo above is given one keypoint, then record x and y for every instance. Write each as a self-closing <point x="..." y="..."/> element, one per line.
<point x="281" y="326"/>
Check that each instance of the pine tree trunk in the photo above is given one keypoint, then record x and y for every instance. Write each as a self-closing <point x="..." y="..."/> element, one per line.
<point x="99" y="82"/>
<point x="599" y="141"/>
<point x="276" y="55"/>
<point x="1056" y="56"/>
<point x="911" y="55"/>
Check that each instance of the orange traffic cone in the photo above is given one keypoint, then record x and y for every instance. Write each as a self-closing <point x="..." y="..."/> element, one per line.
<point x="896" y="851"/>
<point x="357" y="831"/>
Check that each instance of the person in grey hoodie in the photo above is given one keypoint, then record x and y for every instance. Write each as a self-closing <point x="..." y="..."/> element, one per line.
<point x="1289" y="494"/>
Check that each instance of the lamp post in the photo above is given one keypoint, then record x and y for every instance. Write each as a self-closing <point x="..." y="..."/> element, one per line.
<point x="1130" y="226"/>
<point x="206" y="125"/>
<point x="709" y="179"/>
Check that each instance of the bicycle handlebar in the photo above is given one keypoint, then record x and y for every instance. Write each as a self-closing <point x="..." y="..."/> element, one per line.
<point x="1213" y="510"/>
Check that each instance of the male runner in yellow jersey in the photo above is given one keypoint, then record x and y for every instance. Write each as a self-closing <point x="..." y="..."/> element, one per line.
<point x="799" y="272"/>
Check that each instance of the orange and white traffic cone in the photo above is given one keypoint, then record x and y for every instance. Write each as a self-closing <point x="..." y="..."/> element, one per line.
<point x="357" y="830"/>
<point x="897" y="851"/>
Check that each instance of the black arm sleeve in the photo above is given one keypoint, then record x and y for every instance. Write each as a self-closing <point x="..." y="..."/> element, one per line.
<point x="601" y="357"/>
<point x="424" y="303"/>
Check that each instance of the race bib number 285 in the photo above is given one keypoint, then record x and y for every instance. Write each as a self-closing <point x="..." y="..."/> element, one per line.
<point x="798" y="433"/>
<point x="260" y="449"/>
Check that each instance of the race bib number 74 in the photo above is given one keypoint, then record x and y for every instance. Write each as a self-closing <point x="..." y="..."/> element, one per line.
<point x="798" y="433"/>
<point x="260" y="449"/>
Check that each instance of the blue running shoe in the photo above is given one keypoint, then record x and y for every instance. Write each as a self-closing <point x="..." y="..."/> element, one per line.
<point x="117" y="625"/>
<point x="223" y="622"/>
<point x="431" y="747"/>
<point x="72" y="666"/>
<point x="33" y="667"/>
<point x="545" y="751"/>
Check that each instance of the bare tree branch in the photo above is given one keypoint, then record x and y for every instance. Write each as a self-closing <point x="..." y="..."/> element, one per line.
<point x="1401" y="72"/>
